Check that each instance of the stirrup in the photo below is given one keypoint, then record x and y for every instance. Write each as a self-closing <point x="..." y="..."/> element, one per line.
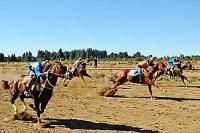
<point x="27" y="94"/>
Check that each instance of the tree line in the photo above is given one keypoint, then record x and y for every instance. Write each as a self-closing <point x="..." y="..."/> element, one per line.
<point x="79" y="53"/>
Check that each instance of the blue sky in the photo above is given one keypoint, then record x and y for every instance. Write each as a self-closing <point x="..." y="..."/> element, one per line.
<point x="157" y="27"/>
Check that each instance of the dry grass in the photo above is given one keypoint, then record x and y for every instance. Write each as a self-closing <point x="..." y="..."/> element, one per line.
<point x="78" y="108"/>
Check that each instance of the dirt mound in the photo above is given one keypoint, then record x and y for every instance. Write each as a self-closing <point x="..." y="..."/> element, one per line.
<point x="24" y="116"/>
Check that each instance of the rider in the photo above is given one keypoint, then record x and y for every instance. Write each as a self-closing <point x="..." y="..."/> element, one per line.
<point x="69" y="73"/>
<point x="76" y="65"/>
<point x="142" y="65"/>
<point x="35" y="72"/>
<point x="95" y="62"/>
<point x="172" y="63"/>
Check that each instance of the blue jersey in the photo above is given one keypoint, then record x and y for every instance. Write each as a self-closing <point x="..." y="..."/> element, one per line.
<point x="36" y="68"/>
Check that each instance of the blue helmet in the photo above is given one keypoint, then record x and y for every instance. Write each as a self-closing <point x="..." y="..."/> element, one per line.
<point x="30" y="67"/>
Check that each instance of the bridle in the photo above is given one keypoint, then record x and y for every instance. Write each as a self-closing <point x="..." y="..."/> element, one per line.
<point x="52" y="71"/>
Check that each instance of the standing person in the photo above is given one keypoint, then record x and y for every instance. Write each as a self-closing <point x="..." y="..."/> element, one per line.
<point x="95" y="62"/>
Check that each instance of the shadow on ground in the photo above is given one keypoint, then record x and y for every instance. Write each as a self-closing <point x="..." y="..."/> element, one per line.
<point x="88" y="125"/>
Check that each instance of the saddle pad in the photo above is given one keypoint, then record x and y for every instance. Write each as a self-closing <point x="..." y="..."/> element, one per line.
<point x="131" y="73"/>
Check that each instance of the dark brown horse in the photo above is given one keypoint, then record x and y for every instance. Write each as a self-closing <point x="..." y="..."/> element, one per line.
<point x="40" y="93"/>
<point x="177" y="72"/>
<point x="187" y="65"/>
<point x="147" y="78"/>
<point x="78" y="72"/>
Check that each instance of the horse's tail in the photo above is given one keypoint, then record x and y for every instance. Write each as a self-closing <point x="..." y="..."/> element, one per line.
<point x="5" y="84"/>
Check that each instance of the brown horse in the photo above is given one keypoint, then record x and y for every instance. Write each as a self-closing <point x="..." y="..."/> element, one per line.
<point x="187" y="65"/>
<point x="40" y="93"/>
<point x="147" y="78"/>
<point x="177" y="72"/>
<point x="78" y="72"/>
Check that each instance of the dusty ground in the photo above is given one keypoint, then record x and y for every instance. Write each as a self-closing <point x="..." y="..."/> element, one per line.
<point x="78" y="108"/>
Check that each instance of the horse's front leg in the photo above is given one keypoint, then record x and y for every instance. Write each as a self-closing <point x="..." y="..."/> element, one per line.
<point x="89" y="76"/>
<point x="150" y="91"/>
<point x="183" y="80"/>
<point x="37" y="109"/>
<point x="40" y="111"/>
<point x="84" y="80"/>
<point x="64" y="82"/>
<point x="12" y="100"/>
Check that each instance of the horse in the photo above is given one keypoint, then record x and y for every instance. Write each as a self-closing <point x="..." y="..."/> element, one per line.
<point x="177" y="72"/>
<point x="147" y="78"/>
<point x="41" y="94"/>
<point x="187" y="65"/>
<point x="78" y="72"/>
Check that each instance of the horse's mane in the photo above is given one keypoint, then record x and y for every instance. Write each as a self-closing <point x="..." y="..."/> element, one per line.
<point x="47" y="67"/>
<point x="160" y="64"/>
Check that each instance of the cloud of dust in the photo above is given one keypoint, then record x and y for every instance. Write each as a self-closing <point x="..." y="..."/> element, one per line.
<point x="9" y="74"/>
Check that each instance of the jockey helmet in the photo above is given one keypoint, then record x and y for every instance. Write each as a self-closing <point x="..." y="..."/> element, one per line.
<point x="151" y="59"/>
<point x="80" y="59"/>
<point x="30" y="67"/>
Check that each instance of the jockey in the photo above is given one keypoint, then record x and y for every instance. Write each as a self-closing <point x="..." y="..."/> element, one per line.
<point x="95" y="62"/>
<point x="76" y="65"/>
<point x="35" y="72"/>
<point x="142" y="65"/>
<point x="172" y="63"/>
<point x="69" y="73"/>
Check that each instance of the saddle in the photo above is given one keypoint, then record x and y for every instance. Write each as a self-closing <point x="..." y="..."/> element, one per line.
<point x="135" y="76"/>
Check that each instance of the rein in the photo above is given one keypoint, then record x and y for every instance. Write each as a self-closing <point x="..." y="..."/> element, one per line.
<point x="59" y="75"/>
<point x="47" y="80"/>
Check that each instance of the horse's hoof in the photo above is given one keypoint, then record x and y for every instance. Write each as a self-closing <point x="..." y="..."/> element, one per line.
<point x="65" y="85"/>
<point x="153" y="98"/>
<point x="39" y="121"/>
<point x="15" y="116"/>
<point x="15" y="113"/>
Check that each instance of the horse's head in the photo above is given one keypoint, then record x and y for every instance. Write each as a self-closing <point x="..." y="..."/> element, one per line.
<point x="160" y="67"/>
<point x="58" y="68"/>
<point x="187" y="65"/>
<point x="54" y="70"/>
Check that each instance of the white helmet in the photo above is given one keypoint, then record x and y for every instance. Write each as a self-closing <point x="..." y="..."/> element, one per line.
<point x="152" y="58"/>
<point x="80" y="59"/>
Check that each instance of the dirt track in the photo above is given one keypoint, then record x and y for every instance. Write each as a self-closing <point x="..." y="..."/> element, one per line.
<point x="78" y="108"/>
